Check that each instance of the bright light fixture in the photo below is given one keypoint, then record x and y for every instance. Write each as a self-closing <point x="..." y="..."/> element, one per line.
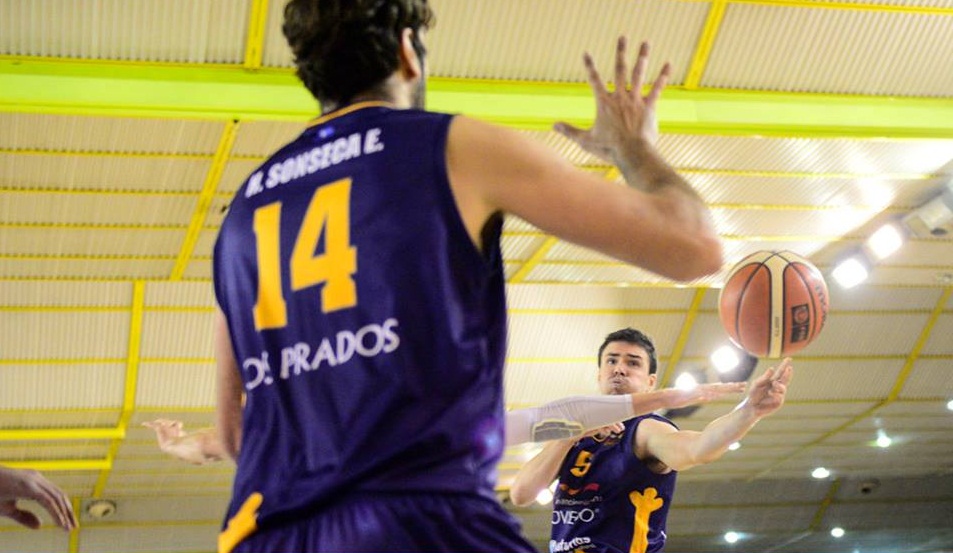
<point x="734" y="446"/>
<point x="544" y="496"/>
<point x="885" y="241"/>
<point x="725" y="359"/>
<point x="837" y="532"/>
<point x="850" y="273"/>
<point x="731" y="537"/>
<point x="820" y="472"/>
<point x="686" y="381"/>
<point x="949" y="405"/>
<point x="883" y="440"/>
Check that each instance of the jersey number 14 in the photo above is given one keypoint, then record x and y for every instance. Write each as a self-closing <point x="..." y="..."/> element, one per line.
<point x="329" y="213"/>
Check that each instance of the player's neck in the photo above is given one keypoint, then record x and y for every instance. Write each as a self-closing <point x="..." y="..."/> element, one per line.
<point x="392" y="91"/>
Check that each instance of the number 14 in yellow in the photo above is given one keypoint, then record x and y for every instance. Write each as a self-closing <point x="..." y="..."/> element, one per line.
<point x="329" y="212"/>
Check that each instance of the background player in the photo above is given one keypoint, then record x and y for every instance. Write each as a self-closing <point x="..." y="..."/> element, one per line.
<point x="623" y="482"/>
<point x="361" y="288"/>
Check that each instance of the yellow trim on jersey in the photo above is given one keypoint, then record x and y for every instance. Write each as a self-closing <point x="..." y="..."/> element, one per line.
<point x="242" y="525"/>
<point x="347" y="109"/>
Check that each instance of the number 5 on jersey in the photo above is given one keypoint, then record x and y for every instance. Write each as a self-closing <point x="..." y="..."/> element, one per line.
<point x="329" y="213"/>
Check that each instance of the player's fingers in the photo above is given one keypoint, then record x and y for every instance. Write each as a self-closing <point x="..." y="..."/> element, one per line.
<point x="592" y="75"/>
<point x="659" y="85"/>
<point x="638" y="72"/>
<point x="620" y="77"/>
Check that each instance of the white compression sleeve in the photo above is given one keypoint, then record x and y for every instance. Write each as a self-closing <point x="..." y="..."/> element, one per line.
<point x="566" y="418"/>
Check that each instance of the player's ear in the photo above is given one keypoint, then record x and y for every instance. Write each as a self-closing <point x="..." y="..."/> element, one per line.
<point x="652" y="379"/>
<point x="410" y="64"/>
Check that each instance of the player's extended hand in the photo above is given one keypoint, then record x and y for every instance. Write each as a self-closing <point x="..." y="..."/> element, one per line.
<point x="18" y="484"/>
<point x="704" y="393"/>
<point x="622" y="114"/>
<point x="166" y="431"/>
<point x="767" y="392"/>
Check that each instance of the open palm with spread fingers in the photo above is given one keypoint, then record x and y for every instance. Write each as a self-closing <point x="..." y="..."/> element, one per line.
<point x="623" y="114"/>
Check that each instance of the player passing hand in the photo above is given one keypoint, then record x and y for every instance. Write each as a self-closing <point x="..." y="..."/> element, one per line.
<point x="623" y="114"/>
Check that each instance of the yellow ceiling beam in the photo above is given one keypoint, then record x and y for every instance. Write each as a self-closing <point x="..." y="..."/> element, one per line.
<point x="131" y="383"/>
<point x="716" y="12"/>
<point x="679" y="348"/>
<point x="851" y="6"/>
<point x="255" y="39"/>
<point x="57" y="434"/>
<point x="535" y="259"/>
<point x="61" y="465"/>
<point x="204" y="202"/>
<point x="229" y="92"/>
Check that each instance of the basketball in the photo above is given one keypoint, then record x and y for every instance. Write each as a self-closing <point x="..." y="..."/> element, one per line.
<point x="773" y="304"/>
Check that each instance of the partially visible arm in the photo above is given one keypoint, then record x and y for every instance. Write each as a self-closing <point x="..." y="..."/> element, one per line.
<point x="539" y="472"/>
<point x="199" y="447"/>
<point x="229" y="389"/>
<point x="684" y="449"/>
<point x="658" y="222"/>
<point x="570" y="417"/>
<point x="16" y="484"/>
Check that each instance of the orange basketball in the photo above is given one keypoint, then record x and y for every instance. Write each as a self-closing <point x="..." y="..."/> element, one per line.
<point x="773" y="303"/>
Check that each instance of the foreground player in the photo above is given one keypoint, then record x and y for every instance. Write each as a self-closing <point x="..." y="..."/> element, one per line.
<point x="615" y="490"/>
<point x="565" y="418"/>
<point x="361" y="288"/>
<point x="19" y="484"/>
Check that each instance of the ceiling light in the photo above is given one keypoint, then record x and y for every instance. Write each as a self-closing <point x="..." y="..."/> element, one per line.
<point x="949" y="405"/>
<point x="850" y="273"/>
<point x="883" y="440"/>
<point x="731" y="537"/>
<point x="837" y="532"/>
<point x="820" y="472"/>
<point x="544" y="496"/>
<point x="885" y="241"/>
<point x="734" y="446"/>
<point x="686" y="381"/>
<point x="725" y="359"/>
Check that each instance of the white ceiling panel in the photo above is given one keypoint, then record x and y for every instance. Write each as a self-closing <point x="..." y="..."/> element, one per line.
<point x="847" y="52"/>
<point x="931" y="378"/>
<point x="121" y="209"/>
<point x="179" y="294"/>
<point x="176" y="384"/>
<point x="62" y="386"/>
<point x="87" y="267"/>
<point x="101" y="172"/>
<point x="260" y="139"/>
<point x="50" y="293"/>
<point x="170" y="335"/>
<point x="90" y="241"/>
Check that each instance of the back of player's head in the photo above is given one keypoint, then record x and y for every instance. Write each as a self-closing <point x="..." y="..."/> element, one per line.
<point x="346" y="47"/>
<point x="635" y="337"/>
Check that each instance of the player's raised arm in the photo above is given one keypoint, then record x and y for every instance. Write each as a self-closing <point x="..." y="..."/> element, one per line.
<point x="657" y="222"/>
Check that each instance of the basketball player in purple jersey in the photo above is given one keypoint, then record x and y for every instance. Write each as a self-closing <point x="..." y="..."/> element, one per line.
<point x="615" y="488"/>
<point x="362" y="325"/>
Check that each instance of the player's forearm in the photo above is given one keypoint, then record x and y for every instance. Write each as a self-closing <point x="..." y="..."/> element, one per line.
<point x="539" y="472"/>
<point x="720" y="433"/>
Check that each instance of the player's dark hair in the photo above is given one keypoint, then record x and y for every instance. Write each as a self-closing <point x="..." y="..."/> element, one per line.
<point x="346" y="47"/>
<point x="635" y="337"/>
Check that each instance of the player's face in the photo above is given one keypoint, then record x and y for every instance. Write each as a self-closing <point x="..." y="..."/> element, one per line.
<point x="625" y="369"/>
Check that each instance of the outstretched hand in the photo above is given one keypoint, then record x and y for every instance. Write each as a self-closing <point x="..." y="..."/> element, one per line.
<point x="167" y="431"/>
<point x="623" y="114"/>
<point x="18" y="484"/>
<point x="767" y="392"/>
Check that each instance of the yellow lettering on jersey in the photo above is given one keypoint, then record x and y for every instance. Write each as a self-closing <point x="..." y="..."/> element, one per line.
<point x="241" y="525"/>
<point x="645" y="504"/>
<point x="582" y="464"/>
<point x="330" y="212"/>
<point x="269" y="311"/>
